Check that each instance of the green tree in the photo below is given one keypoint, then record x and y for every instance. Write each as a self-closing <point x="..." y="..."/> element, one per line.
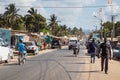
<point x="11" y="16"/>
<point x="2" y="21"/>
<point x="34" y="22"/>
<point x="107" y="27"/>
<point x="53" y="24"/>
<point x="117" y="28"/>
<point x="75" y="31"/>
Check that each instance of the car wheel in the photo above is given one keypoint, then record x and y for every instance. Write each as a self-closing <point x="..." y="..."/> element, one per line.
<point x="11" y="57"/>
<point x="34" y="53"/>
<point x="52" y="47"/>
<point x="6" y="61"/>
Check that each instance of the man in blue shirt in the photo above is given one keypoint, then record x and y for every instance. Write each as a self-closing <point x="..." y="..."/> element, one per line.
<point x="22" y="51"/>
<point x="21" y="47"/>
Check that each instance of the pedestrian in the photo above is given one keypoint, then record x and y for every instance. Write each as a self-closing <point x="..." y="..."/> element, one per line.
<point x="22" y="50"/>
<point x="105" y="51"/>
<point x="45" y="44"/>
<point x="93" y="48"/>
<point x="76" y="48"/>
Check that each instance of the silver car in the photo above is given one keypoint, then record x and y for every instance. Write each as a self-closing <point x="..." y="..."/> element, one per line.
<point x="116" y="53"/>
<point x="31" y="47"/>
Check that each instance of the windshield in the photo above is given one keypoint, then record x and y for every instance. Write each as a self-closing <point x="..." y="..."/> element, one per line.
<point x="28" y="43"/>
<point x="73" y="41"/>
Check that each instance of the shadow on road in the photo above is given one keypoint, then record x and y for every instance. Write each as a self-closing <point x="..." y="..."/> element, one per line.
<point x="69" y="56"/>
<point x="9" y="64"/>
<point x="79" y="63"/>
<point x="95" y="71"/>
<point x="83" y="57"/>
<point x="87" y="54"/>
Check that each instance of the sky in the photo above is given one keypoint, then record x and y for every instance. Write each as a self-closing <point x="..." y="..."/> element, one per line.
<point x="85" y="14"/>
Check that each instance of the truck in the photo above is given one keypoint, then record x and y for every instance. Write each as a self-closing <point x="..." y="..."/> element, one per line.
<point x="72" y="41"/>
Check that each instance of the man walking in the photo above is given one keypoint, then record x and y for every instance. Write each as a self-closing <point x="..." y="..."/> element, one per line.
<point x="105" y="50"/>
<point x="93" y="48"/>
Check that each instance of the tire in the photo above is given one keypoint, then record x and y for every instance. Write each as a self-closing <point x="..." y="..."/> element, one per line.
<point x="52" y="47"/>
<point x="75" y="53"/>
<point x="34" y="53"/>
<point x="11" y="57"/>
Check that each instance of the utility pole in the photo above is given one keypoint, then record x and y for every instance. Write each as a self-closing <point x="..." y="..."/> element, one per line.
<point x="100" y="18"/>
<point x="112" y="31"/>
<point x="101" y="29"/>
<point x="113" y="27"/>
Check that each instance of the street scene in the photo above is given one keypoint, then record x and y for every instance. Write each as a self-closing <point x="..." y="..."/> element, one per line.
<point x="58" y="64"/>
<point x="59" y="40"/>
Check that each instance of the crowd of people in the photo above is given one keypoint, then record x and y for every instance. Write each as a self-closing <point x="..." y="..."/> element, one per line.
<point x="102" y="50"/>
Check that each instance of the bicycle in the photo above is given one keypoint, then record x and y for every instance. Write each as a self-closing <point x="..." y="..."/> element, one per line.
<point x="21" y="58"/>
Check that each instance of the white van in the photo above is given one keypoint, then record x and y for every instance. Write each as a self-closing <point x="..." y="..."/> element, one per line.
<point x="5" y="52"/>
<point x="72" y="42"/>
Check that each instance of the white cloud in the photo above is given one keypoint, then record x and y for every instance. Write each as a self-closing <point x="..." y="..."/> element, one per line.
<point x="113" y="9"/>
<point x="68" y="16"/>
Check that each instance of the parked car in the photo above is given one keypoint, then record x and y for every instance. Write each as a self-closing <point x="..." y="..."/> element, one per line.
<point x="116" y="52"/>
<point x="56" y="44"/>
<point x="31" y="47"/>
<point x="5" y="52"/>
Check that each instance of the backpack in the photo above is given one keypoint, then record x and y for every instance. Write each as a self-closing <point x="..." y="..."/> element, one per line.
<point x="105" y="48"/>
<point x="92" y="47"/>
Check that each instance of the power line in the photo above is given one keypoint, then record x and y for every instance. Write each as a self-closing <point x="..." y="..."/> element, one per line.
<point x="94" y="6"/>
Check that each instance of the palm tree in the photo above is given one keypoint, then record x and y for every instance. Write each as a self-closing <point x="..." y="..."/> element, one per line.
<point x="53" y="23"/>
<point x="2" y="21"/>
<point x="34" y="21"/>
<point x="65" y="30"/>
<point x="11" y="15"/>
<point x="32" y="11"/>
<point x="28" y="23"/>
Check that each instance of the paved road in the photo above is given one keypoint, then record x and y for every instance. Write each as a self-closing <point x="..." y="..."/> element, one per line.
<point x="55" y="65"/>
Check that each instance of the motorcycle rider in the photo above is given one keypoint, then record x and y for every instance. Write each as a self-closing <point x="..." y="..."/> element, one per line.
<point x="76" y="47"/>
